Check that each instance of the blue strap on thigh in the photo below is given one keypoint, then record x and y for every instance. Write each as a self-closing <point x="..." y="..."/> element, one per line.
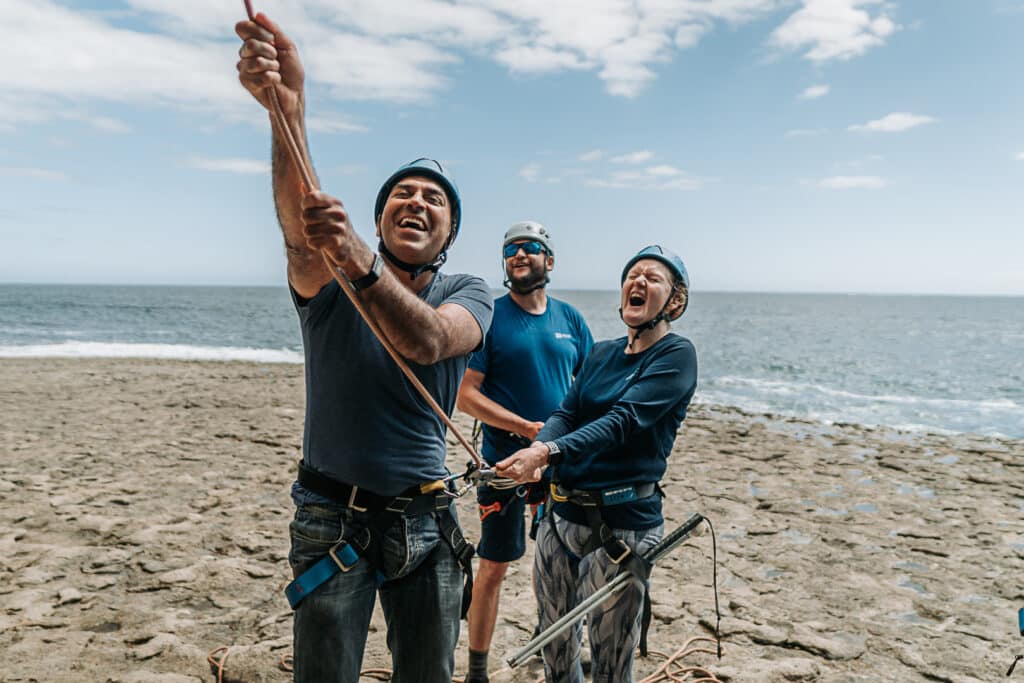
<point x="340" y="558"/>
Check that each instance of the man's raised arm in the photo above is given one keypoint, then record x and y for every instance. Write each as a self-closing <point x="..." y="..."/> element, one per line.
<point x="268" y="58"/>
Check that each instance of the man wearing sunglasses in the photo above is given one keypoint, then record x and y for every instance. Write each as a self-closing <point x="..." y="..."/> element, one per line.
<point x="533" y="350"/>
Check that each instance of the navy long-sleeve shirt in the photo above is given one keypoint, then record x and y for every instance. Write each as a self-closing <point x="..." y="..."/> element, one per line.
<point x="617" y="424"/>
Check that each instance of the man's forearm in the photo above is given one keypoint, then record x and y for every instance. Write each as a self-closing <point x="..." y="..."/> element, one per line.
<point x="475" y="404"/>
<point x="304" y="264"/>
<point x="416" y="330"/>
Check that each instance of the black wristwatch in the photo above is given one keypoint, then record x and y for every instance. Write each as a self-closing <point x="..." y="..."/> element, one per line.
<point x="375" y="270"/>
<point x="554" y="453"/>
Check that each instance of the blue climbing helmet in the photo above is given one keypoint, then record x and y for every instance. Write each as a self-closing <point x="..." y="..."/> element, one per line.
<point x="427" y="168"/>
<point x="675" y="266"/>
<point x="659" y="253"/>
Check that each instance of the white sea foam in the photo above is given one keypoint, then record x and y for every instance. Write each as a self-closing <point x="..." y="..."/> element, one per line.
<point x="781" y="387"/>
<point x="829" y="405"/>
<point x="80" y="349"/>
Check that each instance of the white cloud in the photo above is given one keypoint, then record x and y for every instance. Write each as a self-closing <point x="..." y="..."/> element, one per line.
<point x="805" y="132"/>
<point x="813" y="92"/>
<point x="688" y="35"/>
<point x="634" y="157"/>
<point x="1020" y="156"/>
<point x="634" y="175"/>
<point x="29" y="172"/>
<point x="660" y="177"/>
<point x="860" y="163"/>
<point x="834" y="29"/>
<point x="663" y="170"/>
<point x="852" y="182"/>
<point x="366" y="68"/>
<point x="158" y="53"/>
<point x="1010" y="7"/>
<point x="67" y="57"/>
<point x="893" y="123"/>
<point x="536" y="59"/>
<point x="110" y="125"/>
<point x="332" y="124"/>
<point x="229" y="165"/>
<point x="530" y="172"/>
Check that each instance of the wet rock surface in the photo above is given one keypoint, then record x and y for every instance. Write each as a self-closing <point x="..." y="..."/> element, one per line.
<point x="145" y="513"/>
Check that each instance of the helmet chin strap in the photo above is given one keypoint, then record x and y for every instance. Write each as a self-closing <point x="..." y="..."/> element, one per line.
<point x="539" y="285"/>
<point x="649" y="325"/>
<point x="414" y="270"/>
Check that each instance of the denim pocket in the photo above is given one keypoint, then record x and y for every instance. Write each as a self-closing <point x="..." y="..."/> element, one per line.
<point x="313" y="530"/>
<point x="409" y="543"/>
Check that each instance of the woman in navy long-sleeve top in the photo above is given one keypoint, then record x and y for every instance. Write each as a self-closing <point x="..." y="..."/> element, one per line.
<point x="608" y="444"/>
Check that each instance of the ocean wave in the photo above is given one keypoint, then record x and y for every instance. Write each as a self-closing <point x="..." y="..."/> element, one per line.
<point x="1010" y="428"/>
<point x="779" y="387"/>
<point x="80" y="349"/>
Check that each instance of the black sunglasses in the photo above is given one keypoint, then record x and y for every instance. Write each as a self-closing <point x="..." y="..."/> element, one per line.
<point x="530" y="248"/>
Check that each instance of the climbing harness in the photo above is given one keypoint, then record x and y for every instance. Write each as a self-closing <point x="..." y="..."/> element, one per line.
<point x="591" y="502"/>
<point x="601" y="535"/>
<point x="382" y="511"/>
<point x="649" y="559"/>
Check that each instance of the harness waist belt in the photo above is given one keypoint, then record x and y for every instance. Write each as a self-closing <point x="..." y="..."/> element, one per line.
<point x="413" y="501"/>
<point x="432" y="497"/>
<point x="616" y="495"/>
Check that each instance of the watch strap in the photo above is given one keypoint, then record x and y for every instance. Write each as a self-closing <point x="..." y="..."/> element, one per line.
<point x="554" y="453"/>
<point x="375" y="271"/>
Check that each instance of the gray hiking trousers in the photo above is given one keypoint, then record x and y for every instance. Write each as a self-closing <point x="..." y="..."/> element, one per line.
<point x="561" y="579"/>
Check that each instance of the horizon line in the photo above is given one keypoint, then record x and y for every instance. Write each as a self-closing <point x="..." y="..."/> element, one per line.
<point x="552" y="289"/>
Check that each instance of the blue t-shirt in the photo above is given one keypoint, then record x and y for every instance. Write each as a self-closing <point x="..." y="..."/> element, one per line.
<point x="618" y="423"/>
<point x="365" y="423"/>
<point x="528" y="362"/>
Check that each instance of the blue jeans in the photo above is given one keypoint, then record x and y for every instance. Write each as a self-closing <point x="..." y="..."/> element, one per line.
<point x="420" y="597"/>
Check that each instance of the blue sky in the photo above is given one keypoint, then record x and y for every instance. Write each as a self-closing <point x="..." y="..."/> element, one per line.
<point x="822" y="145"/>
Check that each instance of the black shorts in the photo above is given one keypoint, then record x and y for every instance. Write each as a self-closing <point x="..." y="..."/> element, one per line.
<point x="502" y="520"/>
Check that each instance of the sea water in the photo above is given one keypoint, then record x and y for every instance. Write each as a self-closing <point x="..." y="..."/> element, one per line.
<point x="936" y="363"/>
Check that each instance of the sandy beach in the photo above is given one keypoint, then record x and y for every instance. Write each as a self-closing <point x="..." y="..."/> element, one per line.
<point x="145" y="513"/>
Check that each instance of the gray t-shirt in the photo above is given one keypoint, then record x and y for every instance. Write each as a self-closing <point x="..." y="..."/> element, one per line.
<point x="365" y="423"/>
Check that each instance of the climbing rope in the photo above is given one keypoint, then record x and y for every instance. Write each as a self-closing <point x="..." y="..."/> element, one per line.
<point x="675" y="671"/>
<point x="217" y="658"/>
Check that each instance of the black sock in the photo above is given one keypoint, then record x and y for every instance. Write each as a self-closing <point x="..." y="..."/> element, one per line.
<point x="477" y="664"/>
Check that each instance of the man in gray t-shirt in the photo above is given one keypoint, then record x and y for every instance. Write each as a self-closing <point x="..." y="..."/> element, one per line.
<point x="369" y="436"/>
